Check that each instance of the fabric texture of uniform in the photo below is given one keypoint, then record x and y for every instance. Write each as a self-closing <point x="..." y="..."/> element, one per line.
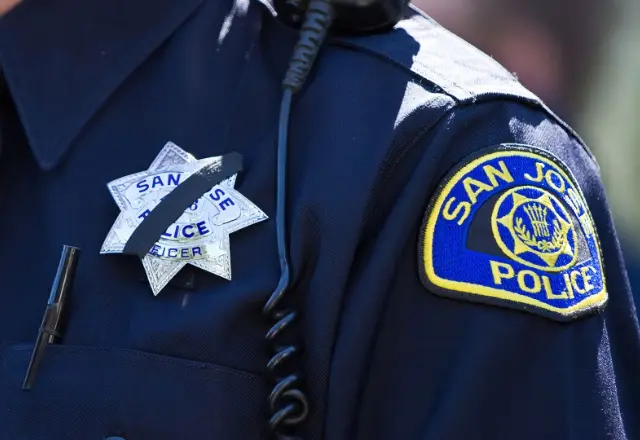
<point x="100" y="87"/>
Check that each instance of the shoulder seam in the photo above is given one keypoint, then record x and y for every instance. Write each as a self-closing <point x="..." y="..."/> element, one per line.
<point x="469" y="78"/>
<point x="540" y="105"/>
<point x="485" y="99"/>
<point x="426" y="50"/>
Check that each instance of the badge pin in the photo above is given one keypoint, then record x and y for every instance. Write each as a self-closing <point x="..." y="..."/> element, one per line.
<point x="200" y="236"/>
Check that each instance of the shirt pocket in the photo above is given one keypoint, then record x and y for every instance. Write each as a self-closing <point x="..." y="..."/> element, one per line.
<point x="93" y="393"/>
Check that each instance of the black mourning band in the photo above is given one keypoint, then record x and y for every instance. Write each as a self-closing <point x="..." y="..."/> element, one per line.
<point x="177" y="202"/>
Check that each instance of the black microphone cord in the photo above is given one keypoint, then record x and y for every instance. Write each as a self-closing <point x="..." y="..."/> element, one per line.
<point x="288" y="404"/>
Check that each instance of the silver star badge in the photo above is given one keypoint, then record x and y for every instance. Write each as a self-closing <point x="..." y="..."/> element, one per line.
<point x="200" y="236"/>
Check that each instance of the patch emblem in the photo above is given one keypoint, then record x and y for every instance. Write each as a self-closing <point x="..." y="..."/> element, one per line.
<point x="510" y="226"/>
<point x="200" y="236"/>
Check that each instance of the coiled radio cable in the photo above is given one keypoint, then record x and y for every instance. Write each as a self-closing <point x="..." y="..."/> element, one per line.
<point x="288" y="404"/>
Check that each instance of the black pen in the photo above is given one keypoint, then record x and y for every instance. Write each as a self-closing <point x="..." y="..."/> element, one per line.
<point x="51" y="328"/>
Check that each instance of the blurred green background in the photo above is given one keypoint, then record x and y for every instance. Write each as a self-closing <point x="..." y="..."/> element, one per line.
<point x="582" y="57"/>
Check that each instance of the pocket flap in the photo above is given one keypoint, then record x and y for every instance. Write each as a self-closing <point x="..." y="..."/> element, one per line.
<point x="84" y="393"/>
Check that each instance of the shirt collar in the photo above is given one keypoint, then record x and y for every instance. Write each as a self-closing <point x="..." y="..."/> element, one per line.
<point x="62" y="63"/>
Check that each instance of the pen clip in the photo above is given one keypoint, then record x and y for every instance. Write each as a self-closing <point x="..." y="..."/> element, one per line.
<point x="51" y="328"/>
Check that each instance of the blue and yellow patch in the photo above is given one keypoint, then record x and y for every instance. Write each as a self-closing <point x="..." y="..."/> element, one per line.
<point x="510" y="226"/>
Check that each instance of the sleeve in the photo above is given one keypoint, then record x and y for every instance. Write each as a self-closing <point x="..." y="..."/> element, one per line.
<point x="507" y="313"/>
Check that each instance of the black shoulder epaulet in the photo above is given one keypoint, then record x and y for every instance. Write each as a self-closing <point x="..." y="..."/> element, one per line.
<point x="431" y="53"/>
<point x="426" y="49"/>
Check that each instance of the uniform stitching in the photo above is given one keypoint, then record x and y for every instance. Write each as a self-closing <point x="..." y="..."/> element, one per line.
<point x="190" y="365"/>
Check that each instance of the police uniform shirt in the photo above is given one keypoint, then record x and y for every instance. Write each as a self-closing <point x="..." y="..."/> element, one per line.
<point x="388" y="129"/>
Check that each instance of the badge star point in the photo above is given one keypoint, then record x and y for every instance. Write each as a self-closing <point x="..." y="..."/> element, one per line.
<point x="200" y="237"/>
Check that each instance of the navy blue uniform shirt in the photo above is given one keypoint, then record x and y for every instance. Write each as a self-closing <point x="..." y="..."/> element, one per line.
<point x="450" y="239"/>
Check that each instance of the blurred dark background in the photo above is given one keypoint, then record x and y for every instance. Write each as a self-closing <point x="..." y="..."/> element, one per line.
<point x="582" y="57"/>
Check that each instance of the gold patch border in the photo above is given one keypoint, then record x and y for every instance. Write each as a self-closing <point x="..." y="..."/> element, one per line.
<point x="490" y="292"/>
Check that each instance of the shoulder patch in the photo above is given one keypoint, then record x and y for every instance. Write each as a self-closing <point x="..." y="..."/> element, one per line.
<point x="510" y="226"/>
